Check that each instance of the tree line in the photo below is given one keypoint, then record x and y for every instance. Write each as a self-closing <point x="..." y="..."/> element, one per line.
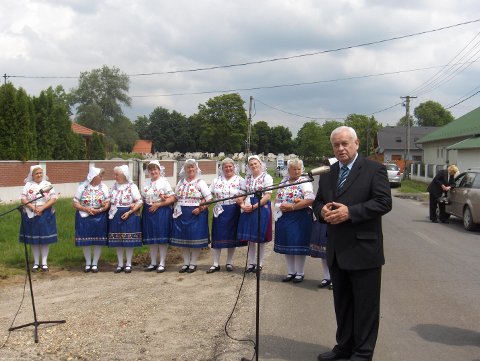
<point x="39" y="127"/>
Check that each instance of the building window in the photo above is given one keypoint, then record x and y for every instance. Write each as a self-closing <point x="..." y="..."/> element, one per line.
<point x="417" y="158"/>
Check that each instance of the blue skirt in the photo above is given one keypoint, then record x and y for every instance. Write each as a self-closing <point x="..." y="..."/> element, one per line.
<point x="156" y="226"/>
<point x="224" y="228"/>
<point x="292" y="232"/>
<point x="318" y="240"/>
<point x="39" y="229"/>
<point x="189" y="230"/>
<point x="124" y="233"/>
<point x="91" y="230"/>
<point x="247" y="225"/>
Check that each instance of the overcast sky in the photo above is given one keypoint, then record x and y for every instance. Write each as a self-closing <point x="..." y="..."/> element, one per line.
<point x="63" y="38"/>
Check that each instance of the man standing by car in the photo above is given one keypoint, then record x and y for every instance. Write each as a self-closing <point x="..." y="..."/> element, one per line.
<point x="442" y="182"/>
<point x="352" y="199"/>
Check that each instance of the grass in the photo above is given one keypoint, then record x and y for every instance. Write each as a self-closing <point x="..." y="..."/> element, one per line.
<point x="411" y="186"/>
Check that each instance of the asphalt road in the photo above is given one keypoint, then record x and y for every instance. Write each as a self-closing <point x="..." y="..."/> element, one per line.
<point x="430" y="296"/>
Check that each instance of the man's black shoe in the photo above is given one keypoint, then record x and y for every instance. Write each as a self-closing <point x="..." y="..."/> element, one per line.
<point x="332" y="356"/>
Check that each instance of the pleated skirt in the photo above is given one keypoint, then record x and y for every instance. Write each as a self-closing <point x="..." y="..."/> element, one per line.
<point x="156" y="226"/>
<point x="189" y="230"/>
<point x="224" y="228"/>
<point x="318" y="240"/>
<point x="126" y="233"/>
<point x="91" y="230"/>
<point x="248" y="224"/>
<point x="293" y="231"/>
<point x="39" y="229"/>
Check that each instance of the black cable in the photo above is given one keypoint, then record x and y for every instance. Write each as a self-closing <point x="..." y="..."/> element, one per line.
<point x="297" y="115"/>
<point x="271" y="59"/>
<point x="16" y="314"/>
<point x="460" y="102"/>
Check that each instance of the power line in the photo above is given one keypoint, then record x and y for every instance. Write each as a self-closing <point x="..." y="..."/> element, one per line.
<point x="272" y="59"/>
<point x="460" y="102"/>
<point x="294" y="114"/>
<point x="287" y="85"/>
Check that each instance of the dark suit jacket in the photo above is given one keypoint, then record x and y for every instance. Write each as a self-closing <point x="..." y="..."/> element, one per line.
<point x="358" y="242"/>
<point x="442" y="177"/>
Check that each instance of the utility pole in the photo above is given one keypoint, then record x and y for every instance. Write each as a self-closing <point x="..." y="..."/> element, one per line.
<point x="407" y="135"/>
<point x="249" y="132"/>
<point x="5" y="78"/>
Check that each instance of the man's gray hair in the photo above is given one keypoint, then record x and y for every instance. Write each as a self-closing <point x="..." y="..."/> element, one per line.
<point x="343" y="128"/>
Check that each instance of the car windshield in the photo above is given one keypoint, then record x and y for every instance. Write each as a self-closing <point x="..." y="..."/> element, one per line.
<point x="391" y="167"/>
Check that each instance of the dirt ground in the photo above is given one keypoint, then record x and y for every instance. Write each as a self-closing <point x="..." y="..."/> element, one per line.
<point x="137" y="316"/>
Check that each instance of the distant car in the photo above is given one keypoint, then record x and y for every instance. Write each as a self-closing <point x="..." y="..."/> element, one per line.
<point x="394" y="175"/>
<point x="463" y="199"/>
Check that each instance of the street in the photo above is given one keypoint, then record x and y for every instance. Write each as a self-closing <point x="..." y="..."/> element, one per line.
<point x="430" y="306"/>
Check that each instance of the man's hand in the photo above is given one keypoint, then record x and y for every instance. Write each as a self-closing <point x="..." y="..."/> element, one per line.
<point x="335" y="213"/>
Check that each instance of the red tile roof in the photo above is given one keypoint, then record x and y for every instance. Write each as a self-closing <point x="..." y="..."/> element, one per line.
<point x="142" y="146"/>
<point x="80" y="129"/>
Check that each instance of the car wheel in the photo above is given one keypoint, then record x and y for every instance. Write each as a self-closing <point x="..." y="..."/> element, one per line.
<point x="468" y="220"/>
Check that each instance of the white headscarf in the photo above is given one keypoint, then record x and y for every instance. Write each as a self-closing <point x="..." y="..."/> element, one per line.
<point x="125" y="171"/>
<point x="262" y="165"/>
<point x="92" y="173"/>
<point x="161" y="167"/>
<point x="188" y="162"/>
<point x="30" y="174"/>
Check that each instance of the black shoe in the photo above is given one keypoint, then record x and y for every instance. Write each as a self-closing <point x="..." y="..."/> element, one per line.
<point x="87" y="269"/>
<point x="213" y="269"/>
<point x="298" y="278"/>
<point x="183" y="269"/>
<point x="44" y="268"/>
<point x="150" y="268"/>
<point x="434" y="221"/>
<point x="160" y="269"/>
<point x="330" y="287"/>
<point x="332" y="356"/>
<point x="94" y="268"/>
<point x="128" y="269"/>
<point x="289" y="277"/>
<point x="229" y="267"/>
<point x="250" y="269"/>
<point x="324" y="283"/>
<point x="35" y="268"/>
<point x="192" y="268"/>
<point x="118" y="269"/>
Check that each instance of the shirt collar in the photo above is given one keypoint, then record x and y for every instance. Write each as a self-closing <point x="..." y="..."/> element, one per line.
<point x="349" y="165"/>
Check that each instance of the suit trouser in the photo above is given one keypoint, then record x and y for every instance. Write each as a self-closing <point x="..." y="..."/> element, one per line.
<point x="433" y="207"/>
<point x="357" y="308"/>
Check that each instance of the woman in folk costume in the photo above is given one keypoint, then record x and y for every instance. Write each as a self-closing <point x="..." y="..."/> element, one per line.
<point x="293" y="221"/>
<point x="190" y="217"/>
<point x="91" y="222"/>
<point x="226" y="214"/>
<point x="125" y="229"/>
<point x="257" y="179"/>
<point x="38" y="227"/>
<point x="157" y="215"/>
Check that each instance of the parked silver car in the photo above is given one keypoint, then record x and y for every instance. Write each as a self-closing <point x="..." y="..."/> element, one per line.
<point x="394" y="175"/>
<point x="463" y="199"/>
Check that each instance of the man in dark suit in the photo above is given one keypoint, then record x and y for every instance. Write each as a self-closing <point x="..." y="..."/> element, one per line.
<point x="442" y="182"/>
<point x="352" y="199"/>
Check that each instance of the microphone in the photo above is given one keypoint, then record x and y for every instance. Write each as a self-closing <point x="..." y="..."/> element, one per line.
<point x="316" y="171"/>
<point x="45" y="190"/>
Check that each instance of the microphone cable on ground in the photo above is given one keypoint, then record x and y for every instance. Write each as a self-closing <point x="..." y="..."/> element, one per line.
<point x="16" y="314"/>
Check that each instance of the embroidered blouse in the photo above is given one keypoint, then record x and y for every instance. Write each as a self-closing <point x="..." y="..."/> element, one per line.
<point x="154" y="189"/>
<point x="291" y="192"/>
<point x="191" y="193"/>
<point x="262" y="181"/>
<point x="92" y="196"/>
<point x="31" y="190"/>
<point x="124" y="195"/>
<point x="223" y="188"/>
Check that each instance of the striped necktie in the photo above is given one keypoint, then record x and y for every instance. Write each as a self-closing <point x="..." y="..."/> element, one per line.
<point x="343" y="176"/>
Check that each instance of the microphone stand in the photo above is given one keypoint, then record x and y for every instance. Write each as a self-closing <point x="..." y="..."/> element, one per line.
<point x="35" y="322"/>
<point x="258" y="195"/>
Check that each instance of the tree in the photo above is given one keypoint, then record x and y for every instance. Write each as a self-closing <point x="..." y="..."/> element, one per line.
<point x="432" y="114"/>
<point x="365" y="128"/>
<point x="96" y="147"/>
<point x="26" y="143"/>
<point x="327" y="128"/>
<point x="100" y="96"/>
<point x="308" y="142"/>
<point x="123" y="134"/>
<point x="281" y="140"/>
<point x="222" y="123"/>
<point x="403" y="121"/>
<point x="262" y="132"/>
<point x="8" y="114"/>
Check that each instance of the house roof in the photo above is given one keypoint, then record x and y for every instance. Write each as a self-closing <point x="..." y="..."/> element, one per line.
<point x="470" y="143"/>
<point x="142" y="146"/>
<point x="394" y="137"/>
<point x="466" y="126"/>
<point x="80" y="129"/>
